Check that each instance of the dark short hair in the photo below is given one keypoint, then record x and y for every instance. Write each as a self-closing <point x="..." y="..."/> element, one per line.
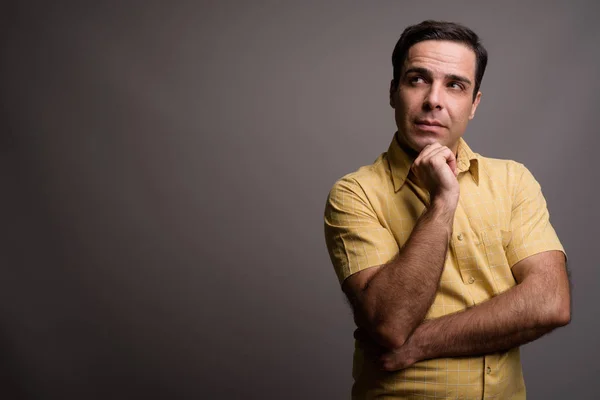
<point x="439" y="30"/>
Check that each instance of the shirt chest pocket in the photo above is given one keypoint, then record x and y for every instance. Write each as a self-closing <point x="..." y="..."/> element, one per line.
<point x="495" y="243"/>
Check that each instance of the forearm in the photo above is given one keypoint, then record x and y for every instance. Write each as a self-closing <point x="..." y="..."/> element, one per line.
<point x="513" y="318"/>
<point x="472" y="332"/>
<point x="401" y="292"/>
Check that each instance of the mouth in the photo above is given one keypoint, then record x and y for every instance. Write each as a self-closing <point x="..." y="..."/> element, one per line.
<point x="429" y="126"/>
<point x="428" y="122"/>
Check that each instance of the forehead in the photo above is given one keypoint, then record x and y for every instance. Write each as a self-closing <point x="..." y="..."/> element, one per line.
<point x="443" y="57"/>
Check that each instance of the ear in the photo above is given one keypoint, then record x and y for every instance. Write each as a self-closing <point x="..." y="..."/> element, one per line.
<point x="474" y="105"/>
<point x="393" y="91"/>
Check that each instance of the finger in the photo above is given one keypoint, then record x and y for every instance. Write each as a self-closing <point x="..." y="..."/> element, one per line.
<point x="424" y="154"/>
<point x="386" y="363"/>
<point x="452" y="162"/>
<point x="426" y="151"/>
<point x="443" y="150"/>
<point x="447" y="155"/>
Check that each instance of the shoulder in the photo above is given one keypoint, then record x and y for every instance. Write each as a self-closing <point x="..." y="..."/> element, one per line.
<point x="364" y="180"/>
<point x="497" y="169"/>
<point x="512" y="175"/>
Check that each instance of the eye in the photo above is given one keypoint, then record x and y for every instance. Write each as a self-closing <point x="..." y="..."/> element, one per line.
<point x="457" y="85"/>
<point x="416" y="79"/>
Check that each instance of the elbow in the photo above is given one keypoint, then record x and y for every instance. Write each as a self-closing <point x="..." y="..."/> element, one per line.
<point x="559" y="314"/>
<point x="562" y="315"/>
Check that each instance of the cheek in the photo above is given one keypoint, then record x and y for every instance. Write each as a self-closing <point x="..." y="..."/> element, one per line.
<point x="402" y="109"/>
<point x="410" y="101"/>
<point x="461" y="115"/>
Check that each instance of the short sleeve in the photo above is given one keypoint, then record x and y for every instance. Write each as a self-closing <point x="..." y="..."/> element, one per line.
<point x="531" y="231"/>
<point x="355" y="238"/>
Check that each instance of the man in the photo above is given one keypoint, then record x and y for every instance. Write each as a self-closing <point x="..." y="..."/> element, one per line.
<point x="447" y="257"/>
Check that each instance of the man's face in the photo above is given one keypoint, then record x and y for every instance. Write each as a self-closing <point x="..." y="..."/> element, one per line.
<point x="434" y="98"/>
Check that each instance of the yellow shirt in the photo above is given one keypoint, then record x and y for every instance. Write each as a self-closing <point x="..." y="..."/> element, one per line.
<point x="501" y="218"/>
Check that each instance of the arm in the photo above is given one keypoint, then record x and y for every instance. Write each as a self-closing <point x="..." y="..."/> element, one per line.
<point x="390" y="301"/>
<point x="539" y="303"/>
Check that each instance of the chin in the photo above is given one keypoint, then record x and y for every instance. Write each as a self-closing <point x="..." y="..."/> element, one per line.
<point x="420" y="143"/>
<point x="419" y="140"/>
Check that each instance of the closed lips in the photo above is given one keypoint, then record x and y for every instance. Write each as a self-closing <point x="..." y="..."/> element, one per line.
<point x="428" y="122"/>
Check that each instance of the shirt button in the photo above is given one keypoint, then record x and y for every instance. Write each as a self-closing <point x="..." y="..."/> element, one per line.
<point x="460" y="236"/>
<point x="471" y="279"/>
<point x="488" y="370"/>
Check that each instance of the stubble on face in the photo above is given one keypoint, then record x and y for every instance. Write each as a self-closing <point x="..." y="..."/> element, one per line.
<point x="433" y="101"/>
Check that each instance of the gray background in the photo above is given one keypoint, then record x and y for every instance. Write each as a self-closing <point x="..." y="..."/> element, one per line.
<point x="164" y="169"/>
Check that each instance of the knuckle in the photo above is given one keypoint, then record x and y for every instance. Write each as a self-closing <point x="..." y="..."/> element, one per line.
<point x="433" y="161"/>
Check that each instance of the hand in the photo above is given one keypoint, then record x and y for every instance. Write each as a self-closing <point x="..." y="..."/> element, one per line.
<point x="386" y="359"/>
<point x="398" y="359"/>
<point x="436" y="169"/>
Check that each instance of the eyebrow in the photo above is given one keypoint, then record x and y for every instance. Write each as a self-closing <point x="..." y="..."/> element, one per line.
<point x="425" y="71"/>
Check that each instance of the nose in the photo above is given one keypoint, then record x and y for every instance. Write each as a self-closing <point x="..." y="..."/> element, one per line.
<point x="433" y="99"/>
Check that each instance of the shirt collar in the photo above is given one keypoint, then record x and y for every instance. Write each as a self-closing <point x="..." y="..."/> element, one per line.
<point x="400" y="162"/>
